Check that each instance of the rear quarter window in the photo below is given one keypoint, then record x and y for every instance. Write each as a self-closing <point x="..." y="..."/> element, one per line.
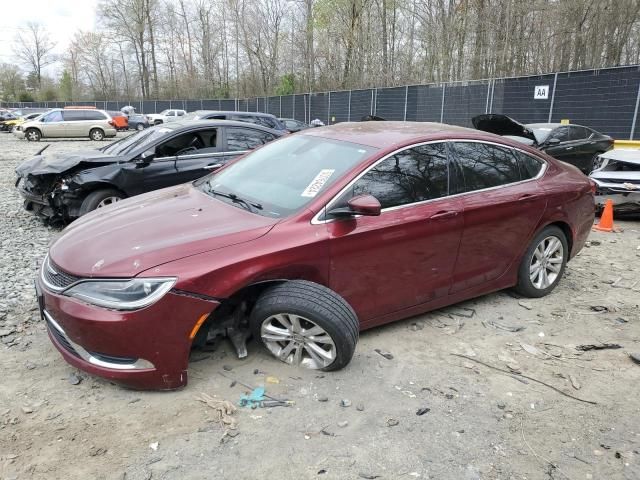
<point x="529" y="166"/>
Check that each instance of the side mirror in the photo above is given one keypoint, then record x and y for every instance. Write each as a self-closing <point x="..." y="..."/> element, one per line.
<point x="366" y="205"/>
<point x="553" y="141"/>
<point x="146" y="156"/>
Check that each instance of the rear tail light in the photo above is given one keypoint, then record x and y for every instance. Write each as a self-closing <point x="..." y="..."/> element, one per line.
<point x="112" y="123"/>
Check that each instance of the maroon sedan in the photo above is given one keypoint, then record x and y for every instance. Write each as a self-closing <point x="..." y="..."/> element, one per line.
<point x="307" y="241"/>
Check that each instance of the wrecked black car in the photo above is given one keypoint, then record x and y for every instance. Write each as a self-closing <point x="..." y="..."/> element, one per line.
<point x="65" y="186"/>
<point x="574" y="144"/>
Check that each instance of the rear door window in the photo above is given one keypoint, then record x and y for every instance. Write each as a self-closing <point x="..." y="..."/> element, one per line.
<point x="73" y="115"/>
<point x="239" y="139"/>
<point x="578" y="133"/>
<point x="412" y="175"/>
<point x="529" y="166"/>
<point x="93" y="115"/>
<point x="560" y="133"/>
<point x="483" y="165"/>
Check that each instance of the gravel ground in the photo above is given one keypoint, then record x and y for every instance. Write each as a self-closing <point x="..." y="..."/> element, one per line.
<point x="476" y="422"/>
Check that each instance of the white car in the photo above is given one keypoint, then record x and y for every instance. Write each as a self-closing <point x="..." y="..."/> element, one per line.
<point x="617" y="176"/>
<point x="165" y="116"/>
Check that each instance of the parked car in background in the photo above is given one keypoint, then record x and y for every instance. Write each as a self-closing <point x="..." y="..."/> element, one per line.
<point x="574" y="144"/>
<point x="68" y="123"/>
<point x="9" y="125"/>
<point x="138" y="122"/>
<point x="293" y="125"/>
<point x="307" y="241"/>
<point x="7" y="115"/>
<point x="617" y="176"/>
<point x="257" y="118"/>
<point x="120" y="120"/>
<point x="166" y="116"/>
<point x="61" y="187"/>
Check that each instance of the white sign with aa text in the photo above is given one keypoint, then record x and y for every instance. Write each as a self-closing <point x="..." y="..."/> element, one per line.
<point x="541" y="92"/>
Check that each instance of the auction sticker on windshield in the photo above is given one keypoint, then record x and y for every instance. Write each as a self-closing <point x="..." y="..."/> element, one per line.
<point x="317" y="183"/>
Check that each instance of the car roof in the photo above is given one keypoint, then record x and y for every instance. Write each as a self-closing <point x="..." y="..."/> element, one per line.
<point x="234" y="112"/>
<point x="186" y="124"/>
<point x="386" y="133"/>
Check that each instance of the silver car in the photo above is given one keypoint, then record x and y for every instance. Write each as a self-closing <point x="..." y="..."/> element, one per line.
<point x="68" y="123"/>
<point x="617" y="176"/>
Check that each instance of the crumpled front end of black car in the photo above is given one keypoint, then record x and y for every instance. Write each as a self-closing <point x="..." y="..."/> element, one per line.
<point x="49" y="197"/>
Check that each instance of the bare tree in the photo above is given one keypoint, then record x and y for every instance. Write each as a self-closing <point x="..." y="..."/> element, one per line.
<point x="34" y="48"/>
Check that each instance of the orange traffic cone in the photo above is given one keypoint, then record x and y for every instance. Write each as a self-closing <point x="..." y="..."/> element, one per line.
<point x="606" y="219"/>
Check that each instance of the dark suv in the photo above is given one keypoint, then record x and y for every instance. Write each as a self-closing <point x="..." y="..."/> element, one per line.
<point x="257" y="118"/>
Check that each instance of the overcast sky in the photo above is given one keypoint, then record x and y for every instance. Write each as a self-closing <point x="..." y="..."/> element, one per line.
<point x="60" y="17"/>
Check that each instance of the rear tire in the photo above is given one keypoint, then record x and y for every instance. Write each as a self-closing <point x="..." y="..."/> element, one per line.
<point x="96" y="134"/>
<point x="32" y="135"/>
<point x="306" y="324"/>
<point x="99" y="199"/>
<point x="139" y="127"/>
<point x="543" y="264"/>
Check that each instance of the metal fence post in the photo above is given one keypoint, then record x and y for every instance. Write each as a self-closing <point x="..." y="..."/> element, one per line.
<point x="553" y="95"/>
<point x="280" y="107"/>
<point x="349" y="108"/>
<point x="375" y="101"/>
<point x="486" y="107"/>
<point x="635" y="114"/>
<point x="371" y="104"/>
<point x="406" y="95"/>
<point x="493" y="89"/>
<point x="329" y="110"/>
<point x="293" y="110"/>
<point x="444" y="85"/>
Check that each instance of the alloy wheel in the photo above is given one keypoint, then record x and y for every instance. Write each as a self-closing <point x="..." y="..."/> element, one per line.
<point x="546" y="262"/>
<point x="298" y="341"/>
<point x="108" y="201"/>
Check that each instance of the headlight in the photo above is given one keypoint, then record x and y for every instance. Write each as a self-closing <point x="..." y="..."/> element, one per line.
<point x="122" y="294"/>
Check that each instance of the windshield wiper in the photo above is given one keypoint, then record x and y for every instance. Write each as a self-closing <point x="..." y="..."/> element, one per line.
<point x="236" y="199"/>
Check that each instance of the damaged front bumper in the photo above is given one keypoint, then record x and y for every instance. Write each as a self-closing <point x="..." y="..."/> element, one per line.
<point x="55" y="204"/>
<point x="625" y="196"/>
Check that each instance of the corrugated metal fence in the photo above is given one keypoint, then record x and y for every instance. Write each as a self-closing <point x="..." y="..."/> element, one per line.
<point x="606" y="100"/>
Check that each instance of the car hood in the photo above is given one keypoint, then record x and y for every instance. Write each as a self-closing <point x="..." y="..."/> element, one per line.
<point x="61" y="162"/>
<point x="151" y="229"/>
<point x="502" y="125"/>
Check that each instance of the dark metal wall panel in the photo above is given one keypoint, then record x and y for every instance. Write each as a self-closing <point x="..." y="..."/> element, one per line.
<point x="602" y="99"/>
<point x="211" y="104"/>
<point x="252" y="104"/>
<point x="361" y="104"/>
<point x="161" y="105"/>
<point x="320" y="106"/>
<point x="339" y="108"/>
<point x="389" y="103"/>
<point x="193" y="105"/>
<point x="228" y="104"/>
<point x="424" y="103"/>
<point x="515" y="96"/>
<point x="242" y="105"/>
<point x="112" y="106"/>
<point x="463" y="102"/>
<point x="300" y="108"/>
<point x="273" y="104"/>
<point x="287" y="106"/>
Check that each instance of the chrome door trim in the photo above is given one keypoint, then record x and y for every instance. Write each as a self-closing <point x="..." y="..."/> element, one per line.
<point x="316" y="218"/>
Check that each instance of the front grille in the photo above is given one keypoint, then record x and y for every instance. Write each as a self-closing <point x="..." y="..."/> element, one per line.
<point x="620" y="180"/>
<point x="61" y="339"/>
<point x="56" y="277"/>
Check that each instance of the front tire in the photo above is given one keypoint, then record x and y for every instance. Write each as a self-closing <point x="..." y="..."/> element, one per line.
<point x="96" y="135"/>
<point x="543" y="263"/>
<point x="306" y="324"/>
<point x="100" y="199"/>
<point x="32" y="135"/>
<point x="157" y="122"/>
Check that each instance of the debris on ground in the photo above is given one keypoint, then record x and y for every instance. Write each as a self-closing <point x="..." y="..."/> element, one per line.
<point x="345" y="402"/>
<point x="530" y="349"/>
<point x="223" y="409"/>
<point x="384" y="353"/>
<point x="508" y="328"/>
<point x="574" y="382"/>
<point x="343" y="424"/>
<point x="75" y="379"/>
<point x="360" y="407"/>
<point x="599" y="346"/>
<point x="422" y="411"/>
<point x="154" y="446"/>
<point x="368" y="476"/>
<point x="253" y="399"/>
<point x="635" y="357"/>
<point x="392" y="422"/>
<point x="273" y="380"/>
<point x="526" y="305"/>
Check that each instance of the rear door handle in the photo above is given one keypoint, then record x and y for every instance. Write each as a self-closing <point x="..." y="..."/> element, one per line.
<point x="443" y="214"/>
<point x="528" y="197"/>
<point x="214" y="166"/>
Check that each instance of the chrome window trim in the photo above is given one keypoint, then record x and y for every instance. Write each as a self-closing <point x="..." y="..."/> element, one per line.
<point x="316" y="218"/>
<point x="139" y="364"/>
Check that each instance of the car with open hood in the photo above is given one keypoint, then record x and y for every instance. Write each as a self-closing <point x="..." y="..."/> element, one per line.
<point x="617" y="176"/>
<point x="574" y="144"/>
<point x="61" y="187"/>
<point x="307" y="241"/>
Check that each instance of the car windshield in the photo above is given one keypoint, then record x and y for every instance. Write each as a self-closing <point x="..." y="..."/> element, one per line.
<point x="165" y="112"/>
<point x="137" y="141"/>
<point x="284" y="176"/>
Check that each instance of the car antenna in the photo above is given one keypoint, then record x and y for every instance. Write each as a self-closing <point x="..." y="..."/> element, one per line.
<point x="42" y="149"/>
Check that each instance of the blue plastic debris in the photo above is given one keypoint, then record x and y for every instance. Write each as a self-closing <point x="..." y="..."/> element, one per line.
<point x="252" y="400"/>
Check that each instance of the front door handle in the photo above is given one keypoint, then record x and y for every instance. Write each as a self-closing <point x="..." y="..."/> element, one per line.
<point x="443" y="214"/>
<point x="214" y="166"/>
<point x="569" y="148"/>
